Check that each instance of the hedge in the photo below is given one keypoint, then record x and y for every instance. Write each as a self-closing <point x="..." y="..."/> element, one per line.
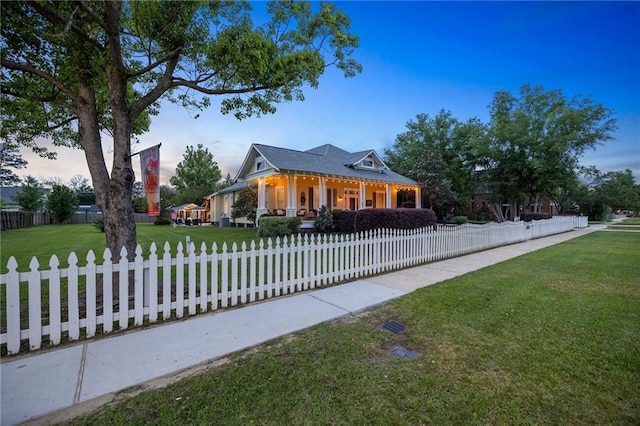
<point x="367" y="219"/>
<point x="528" y="217"/>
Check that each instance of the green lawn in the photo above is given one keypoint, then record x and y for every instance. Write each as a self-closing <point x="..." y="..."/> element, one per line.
<point x="44" y="241"/>
<point x="631" y="223"/>
<point x="552" y="337"/>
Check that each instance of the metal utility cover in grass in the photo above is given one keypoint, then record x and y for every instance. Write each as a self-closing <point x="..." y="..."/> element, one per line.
<point x="394" y="326"/>
<point x="404" y="353"/>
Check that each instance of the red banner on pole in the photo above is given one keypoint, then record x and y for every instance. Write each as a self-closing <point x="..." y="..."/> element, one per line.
<point x="150" y="165"/>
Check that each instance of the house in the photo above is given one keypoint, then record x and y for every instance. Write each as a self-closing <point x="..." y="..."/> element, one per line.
<point x="220" y="203"/>
<point x="480" y="205"/>
<point x="298" y="183"/>
<point x="7" y="197"/>
<point x="188" y="213"/>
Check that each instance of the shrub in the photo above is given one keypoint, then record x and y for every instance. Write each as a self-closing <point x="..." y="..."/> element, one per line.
<point x="458" y="220"/>
<point x="528" y="217"/>
<point x="278" y="226"/>
<point x="63" y="202"/>
<point x="99" y="225"/>
<point x="324" y="221"/>
<point x="162" y="221"/>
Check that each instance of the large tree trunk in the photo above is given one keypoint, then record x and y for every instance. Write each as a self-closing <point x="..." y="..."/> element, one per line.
<point x="496" y="210"/>
<point x="113" y="192"/>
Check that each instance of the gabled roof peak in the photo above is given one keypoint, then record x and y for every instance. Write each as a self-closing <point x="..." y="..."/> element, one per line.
<point x="327" y="149"/>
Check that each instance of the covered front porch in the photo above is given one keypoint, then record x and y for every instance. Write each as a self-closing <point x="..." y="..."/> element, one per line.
<point x="295" y="194"/>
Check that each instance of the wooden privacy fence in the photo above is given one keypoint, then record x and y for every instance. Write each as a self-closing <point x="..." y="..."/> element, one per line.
<point x="21" y="219"/>
<point x="83" y="300"/>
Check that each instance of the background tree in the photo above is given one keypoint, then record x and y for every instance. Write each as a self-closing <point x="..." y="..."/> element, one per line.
<point x="616" y="191"/>
<point x="197" y="175"/>
<point x="436" y="187"/>
<point x="167" y="199"/>
<point x="74" y="70"/>
<point x="81" y="186"/>
<point x="246" y="205"/>
<point x="31" y="195"/>
<point x="535" y="141"/>
<point x="10" y="157"/>
<point x="139" y="204"/>
<point x="62" y="202"/>
<point x="79" y="183"/>
<point x="227" y="182"/>
<point x="443" y="142"/>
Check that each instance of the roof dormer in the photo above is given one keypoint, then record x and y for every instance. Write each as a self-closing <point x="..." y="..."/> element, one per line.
<point x="371" y="161"/>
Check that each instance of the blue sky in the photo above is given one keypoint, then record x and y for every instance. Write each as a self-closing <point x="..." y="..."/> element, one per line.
<point x="421" y="57"/>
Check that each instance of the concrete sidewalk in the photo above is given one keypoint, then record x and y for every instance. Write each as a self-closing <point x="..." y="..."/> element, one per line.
<point x="55" y="385"/>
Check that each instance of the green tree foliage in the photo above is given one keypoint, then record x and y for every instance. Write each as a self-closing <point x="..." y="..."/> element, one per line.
<point x="613" y="191"/>
<point x="31" y="195"/>
<point x="535" y="141"/>
<point x="246" y="204"/>
<point x="139" y="204"/>
<point x="197" y="175"/>
<point x="443" y="142"/>
<point x="73" y="71"/>
<point x="437" y="188"/>
<point x="62" y="202"/>
<point x="10" y="157"/>
<point x="167" y="197"/>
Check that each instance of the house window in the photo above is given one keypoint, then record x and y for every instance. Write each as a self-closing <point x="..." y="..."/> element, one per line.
<point x="367" y="163"/>
<point x="259" y="165"/>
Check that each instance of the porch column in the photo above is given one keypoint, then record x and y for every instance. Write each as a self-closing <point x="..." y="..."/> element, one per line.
<point x="363" y="196"/>
<point x="323" y="193"/>
<point x="418" y="198"/>
<point x="291" y="195"/>
<point x="262" y="198"/>
<point x="387" y="198"/>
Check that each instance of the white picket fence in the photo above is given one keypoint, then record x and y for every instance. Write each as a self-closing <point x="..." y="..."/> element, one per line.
<point x="79" y="301"/>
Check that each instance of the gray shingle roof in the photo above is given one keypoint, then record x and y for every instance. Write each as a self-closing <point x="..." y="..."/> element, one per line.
<point x="231" y="188"/>
<point x="328" y="160"/>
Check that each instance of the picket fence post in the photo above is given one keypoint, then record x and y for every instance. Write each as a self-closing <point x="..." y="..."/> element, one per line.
<point x="107" y="292"/>
<point x="55" y="316"/>
<point x="90" y="295"/>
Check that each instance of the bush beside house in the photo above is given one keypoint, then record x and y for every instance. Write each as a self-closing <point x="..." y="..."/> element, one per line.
<point x="368" y="219"/>
<point x="278" y="226"/>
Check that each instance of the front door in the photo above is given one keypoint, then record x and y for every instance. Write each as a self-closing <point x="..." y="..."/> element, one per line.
<point x="352" y="198"/>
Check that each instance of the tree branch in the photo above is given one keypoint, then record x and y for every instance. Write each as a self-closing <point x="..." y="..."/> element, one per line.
<point x="29" y="70"/>
<point x="153" y="65"/>
<point x="53" y="17"/>
<point x="62" y="123"/>
<point x="165" y="83"/>
<point x="204" y="90"/>
<point x="97" y="18"/>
